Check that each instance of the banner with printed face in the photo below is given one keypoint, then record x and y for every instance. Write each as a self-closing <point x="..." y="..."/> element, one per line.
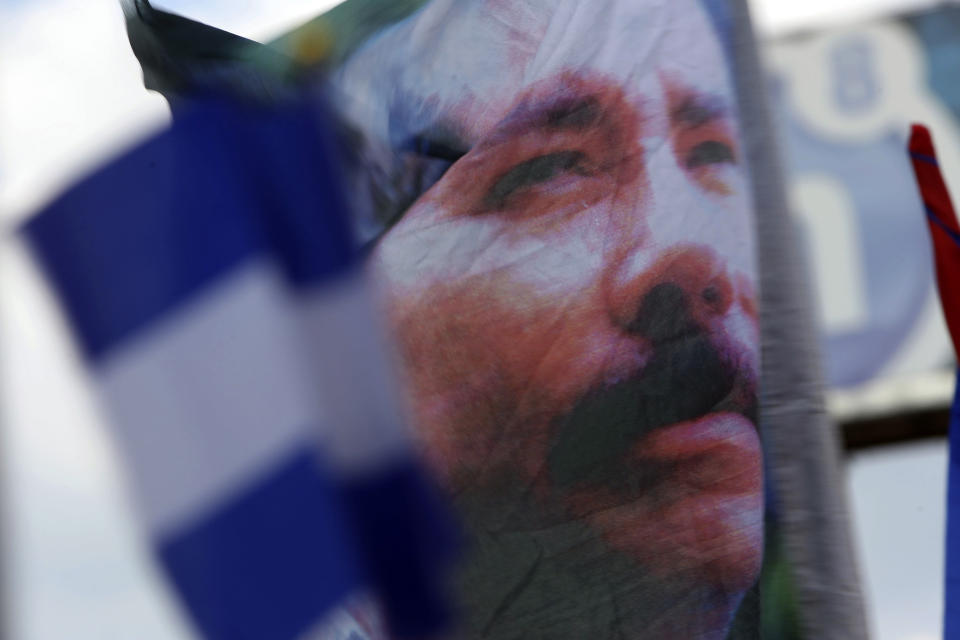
<point x="562" y="226"/>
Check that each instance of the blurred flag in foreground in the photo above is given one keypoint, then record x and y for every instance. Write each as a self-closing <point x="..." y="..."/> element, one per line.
<point x="945" y="235"/>
<point x="211" y="281"/>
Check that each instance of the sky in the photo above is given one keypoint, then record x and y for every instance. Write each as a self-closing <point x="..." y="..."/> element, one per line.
<point x="71" y="95"/>
<point x="774" y="17"/>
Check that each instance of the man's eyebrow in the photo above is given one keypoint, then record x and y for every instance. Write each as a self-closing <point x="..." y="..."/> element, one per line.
<point x="698" y="110"/>
<point x="558" y="113"/>
<point x="571" y="113"/>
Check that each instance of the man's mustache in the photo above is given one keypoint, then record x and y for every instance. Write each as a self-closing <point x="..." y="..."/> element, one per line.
<point x="688" y="376"/>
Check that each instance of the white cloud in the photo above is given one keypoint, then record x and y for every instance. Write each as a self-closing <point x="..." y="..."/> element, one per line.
<point x="898" y="503"/>
<point x="70" y="95"/>
<point x="779" y="16"/>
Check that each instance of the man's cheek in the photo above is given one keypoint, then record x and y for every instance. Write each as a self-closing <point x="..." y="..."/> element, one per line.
<point x="431" y="245"/>
<point x="460" y="344"/>
<point x="731" y="233"/>
<point x="489" y="355"/>
<point x="457" y="388"/>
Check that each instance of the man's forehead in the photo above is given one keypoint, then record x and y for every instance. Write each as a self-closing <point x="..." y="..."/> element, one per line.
<point x="464" y="63"/>
<point x="690" y="53"/>
<point x="633" y="42"/>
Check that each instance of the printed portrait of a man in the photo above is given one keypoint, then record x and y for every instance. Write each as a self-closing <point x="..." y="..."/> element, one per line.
<point x="572" y="295"/>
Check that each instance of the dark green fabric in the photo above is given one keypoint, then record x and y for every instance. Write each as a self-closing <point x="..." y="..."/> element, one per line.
<point x="179" y="55"/>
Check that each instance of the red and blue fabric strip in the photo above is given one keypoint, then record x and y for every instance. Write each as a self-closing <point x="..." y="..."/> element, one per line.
<point x="945" y="236"/>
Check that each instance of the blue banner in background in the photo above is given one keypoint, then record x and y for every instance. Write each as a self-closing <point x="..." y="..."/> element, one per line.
<point x="844" y="99"/>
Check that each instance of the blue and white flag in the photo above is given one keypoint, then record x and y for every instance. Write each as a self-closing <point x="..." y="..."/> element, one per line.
<point x="211" y="280"/>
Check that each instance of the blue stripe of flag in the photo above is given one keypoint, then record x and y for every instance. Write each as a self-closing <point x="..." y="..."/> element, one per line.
<point x="271" y="563"/>
<point x="951" y="617"/>
<point x="294" y="165"/>
<point x="409" y="540"/>
<point x="150" y="230"/>
<point x="142" y="235"/>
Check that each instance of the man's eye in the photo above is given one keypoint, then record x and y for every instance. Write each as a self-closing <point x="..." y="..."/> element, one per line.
<point x="708" y="153"/>
<point x="531" y="172"/>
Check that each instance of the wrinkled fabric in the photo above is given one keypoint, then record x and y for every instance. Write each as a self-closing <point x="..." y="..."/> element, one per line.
<point x="575" y="301"/>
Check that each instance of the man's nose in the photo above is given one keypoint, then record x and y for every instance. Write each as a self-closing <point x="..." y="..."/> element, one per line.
<point x="683" y="293"/>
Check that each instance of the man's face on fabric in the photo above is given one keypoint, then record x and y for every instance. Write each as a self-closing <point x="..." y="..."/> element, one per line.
<point x="574" y="298"/>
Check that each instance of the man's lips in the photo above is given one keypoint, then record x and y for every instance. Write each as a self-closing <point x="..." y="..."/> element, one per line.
<point x="703" y="516"/>
<point x="716" y="453"/>
<point x="682" y="382"/>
